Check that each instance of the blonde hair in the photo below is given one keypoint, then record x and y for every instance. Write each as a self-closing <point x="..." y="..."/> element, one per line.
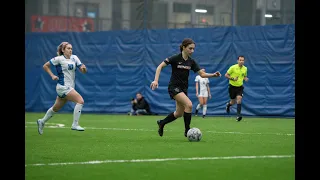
<point x="61" y="47"/>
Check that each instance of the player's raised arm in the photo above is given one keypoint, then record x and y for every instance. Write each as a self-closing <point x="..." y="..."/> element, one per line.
<point x="203" y="74"/>
<point x="83" y="68"/>
<point x="80" y="65"/>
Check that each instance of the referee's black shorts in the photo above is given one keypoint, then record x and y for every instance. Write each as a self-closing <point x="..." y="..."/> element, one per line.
<point x="235" y="91"/>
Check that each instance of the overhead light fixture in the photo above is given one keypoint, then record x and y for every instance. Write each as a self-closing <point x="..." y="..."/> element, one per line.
<point x="200" y="10"/>
<point x="268" y="15"/>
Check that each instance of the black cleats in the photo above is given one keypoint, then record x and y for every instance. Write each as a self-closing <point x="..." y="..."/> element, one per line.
<point x="228" y="108"/>
<point x="239" y="118"/>
<point x="160" y="130"/>
<point x="185" y="132"/>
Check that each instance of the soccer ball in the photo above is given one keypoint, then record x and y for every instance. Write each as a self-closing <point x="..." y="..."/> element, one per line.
<point x="194" y="134"/>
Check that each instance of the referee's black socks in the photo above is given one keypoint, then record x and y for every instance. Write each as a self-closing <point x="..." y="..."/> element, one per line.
<point x="238" y="110"/>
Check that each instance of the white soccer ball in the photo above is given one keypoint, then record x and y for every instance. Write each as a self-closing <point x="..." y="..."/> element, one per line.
<point x="194" y="134"/>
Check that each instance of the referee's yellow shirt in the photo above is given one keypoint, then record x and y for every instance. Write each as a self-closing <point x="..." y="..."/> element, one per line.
<point x="235" y="71"/>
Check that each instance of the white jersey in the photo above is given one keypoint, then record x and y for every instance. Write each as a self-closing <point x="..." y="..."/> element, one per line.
<point x="66" y="69"/>
<point x="202" y="83"/>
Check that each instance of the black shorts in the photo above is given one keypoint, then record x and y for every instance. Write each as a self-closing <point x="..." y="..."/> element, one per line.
<point x="235" y="91"/>
<point x="174" y="90"/>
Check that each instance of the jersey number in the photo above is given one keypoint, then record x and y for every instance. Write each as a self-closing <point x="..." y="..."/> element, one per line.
<point x="70" y="66"/>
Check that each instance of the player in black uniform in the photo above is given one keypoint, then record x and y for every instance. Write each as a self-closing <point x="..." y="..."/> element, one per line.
<point x="181" y="64"/>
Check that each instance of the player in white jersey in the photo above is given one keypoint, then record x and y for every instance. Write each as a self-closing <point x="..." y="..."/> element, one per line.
<point x="66" y="64"/>
<point x="202" y="85"/>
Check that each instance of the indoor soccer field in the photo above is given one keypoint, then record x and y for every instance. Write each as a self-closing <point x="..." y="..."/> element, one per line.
<point x="129" y="147"/>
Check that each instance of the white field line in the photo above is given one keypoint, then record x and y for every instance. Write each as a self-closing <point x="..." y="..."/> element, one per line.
<point x="281" y="134"/>
<point x="126" y="129"/>
<point x="161" y="160"/>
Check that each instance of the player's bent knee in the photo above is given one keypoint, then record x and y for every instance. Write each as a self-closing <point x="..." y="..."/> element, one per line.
<point x="188" y="105"/>
<point x="80" y="102"/>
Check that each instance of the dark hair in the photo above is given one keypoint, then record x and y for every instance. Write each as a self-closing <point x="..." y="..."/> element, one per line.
<point x="136" y="94"/>
<point x="240" y="57"/>
<point x="185" y="43"/>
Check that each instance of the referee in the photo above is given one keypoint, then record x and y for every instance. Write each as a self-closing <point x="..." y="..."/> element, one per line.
<point x="236" y="74"/>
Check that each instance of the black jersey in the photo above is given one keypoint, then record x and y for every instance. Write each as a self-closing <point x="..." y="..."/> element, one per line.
<point x="180" y="70"/>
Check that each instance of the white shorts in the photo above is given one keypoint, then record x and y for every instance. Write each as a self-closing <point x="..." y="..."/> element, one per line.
<point x="62" y="91"/>
<point x="203" y="94"/>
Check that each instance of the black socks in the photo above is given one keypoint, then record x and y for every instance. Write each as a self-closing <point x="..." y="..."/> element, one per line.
<point x="168" y="119"/>
<point x="238" y="110"/>
<point x="187" y="120"/>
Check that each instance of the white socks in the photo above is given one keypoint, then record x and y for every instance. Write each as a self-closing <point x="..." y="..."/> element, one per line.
<point x="204" y="110"/>
<point x="76" y="114"/>
<point x="198" y="106"/>
<point x="48" y="115"/>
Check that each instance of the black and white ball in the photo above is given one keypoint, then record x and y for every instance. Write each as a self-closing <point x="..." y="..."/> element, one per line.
<point x="194" y="134"/>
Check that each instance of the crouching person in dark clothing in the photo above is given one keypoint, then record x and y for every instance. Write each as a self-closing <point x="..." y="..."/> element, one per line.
<point x="139" y="106"/>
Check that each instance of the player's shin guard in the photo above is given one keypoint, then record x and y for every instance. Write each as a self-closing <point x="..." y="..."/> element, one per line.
<point x="204" y="111"/>
<point x="48" y="115"/>
<point x="168" y="119"/>
<point x="76" y="114"/>
<point x="187" y="121"/>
